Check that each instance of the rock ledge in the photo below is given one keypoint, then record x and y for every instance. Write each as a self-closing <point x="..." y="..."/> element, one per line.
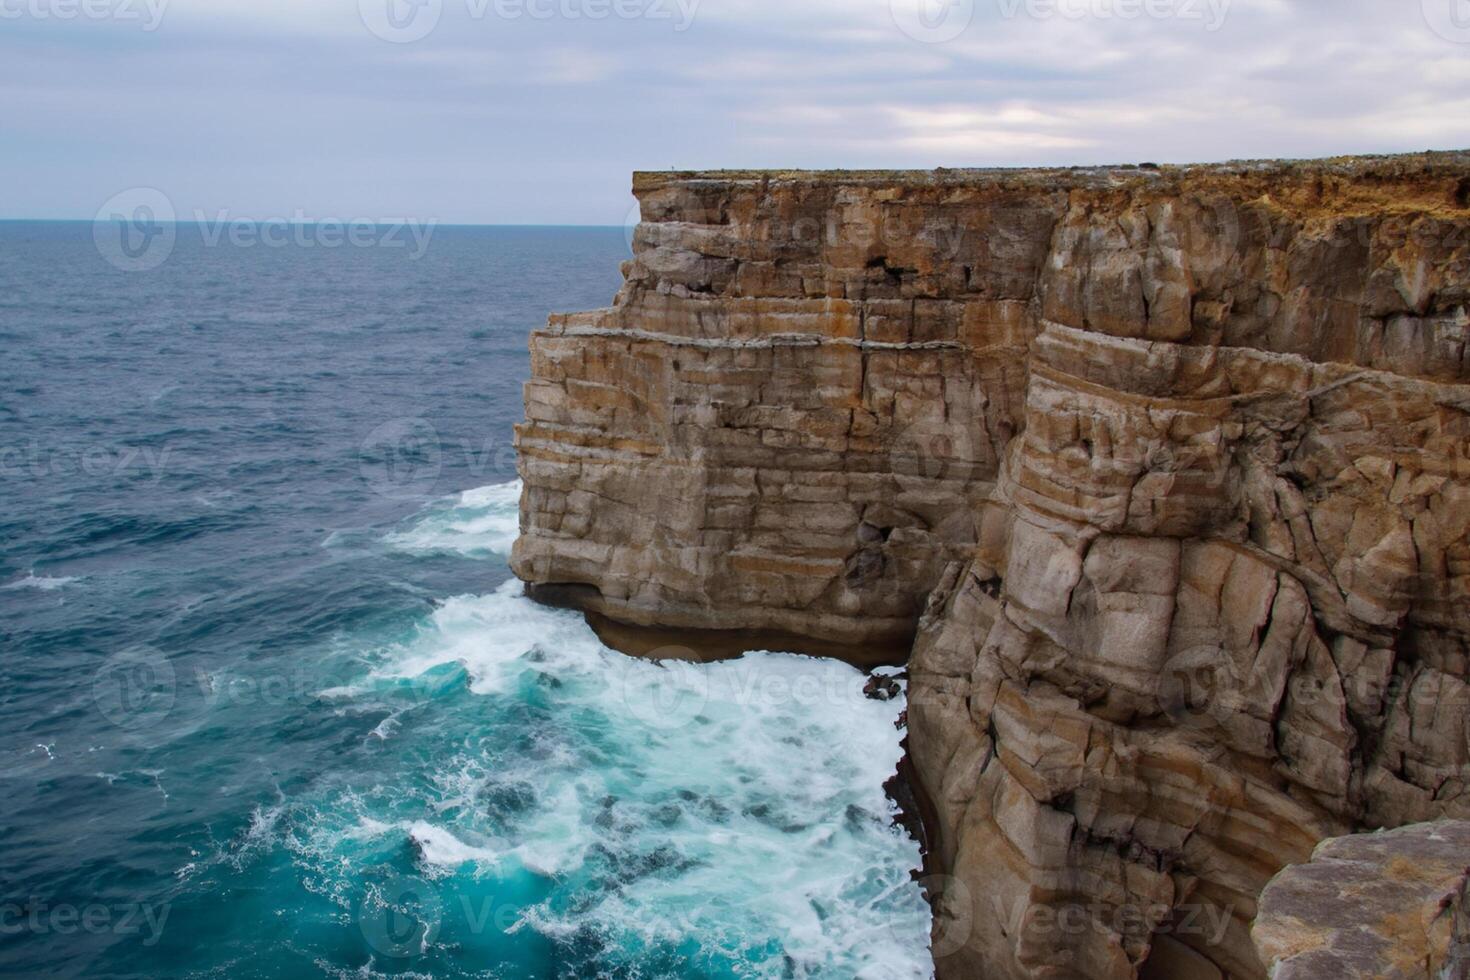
<point x="1389" y="906"/>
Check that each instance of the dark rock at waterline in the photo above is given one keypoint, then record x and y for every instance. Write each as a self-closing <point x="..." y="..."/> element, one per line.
<point x="881" y="688"/>
<point x="909" y="815"/>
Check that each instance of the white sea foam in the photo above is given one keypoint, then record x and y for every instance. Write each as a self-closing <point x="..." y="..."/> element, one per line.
<point x="487" y="635"/>
<point x="738" y="802"/>
<point x="737" y="805"/>
<point x="562" y="838"/>
<point x="386" y="727"/>
<point x="477" y="523"/>
<point x="366" y="829"/>
<point x="41" y="582"/>
<point x="256" y="838"/>
<point x="437" y="846"/>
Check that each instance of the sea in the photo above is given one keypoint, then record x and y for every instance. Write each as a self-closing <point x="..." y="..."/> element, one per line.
<point x="271" y="702"/>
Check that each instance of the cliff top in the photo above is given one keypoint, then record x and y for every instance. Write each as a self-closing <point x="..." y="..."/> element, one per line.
<point x="1428" y="164"/>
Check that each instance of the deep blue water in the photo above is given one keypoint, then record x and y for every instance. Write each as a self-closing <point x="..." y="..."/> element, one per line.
<point x="270" y="705"/>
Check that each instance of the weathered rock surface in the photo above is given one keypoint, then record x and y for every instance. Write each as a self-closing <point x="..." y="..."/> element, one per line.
<point x="1388" y="906"/>
<point x="1163" y="473"/>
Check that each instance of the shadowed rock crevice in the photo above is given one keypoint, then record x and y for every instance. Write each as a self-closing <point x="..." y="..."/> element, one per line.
<point x="1163" y="473"/>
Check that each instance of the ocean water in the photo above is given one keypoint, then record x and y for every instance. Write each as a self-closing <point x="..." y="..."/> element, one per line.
<point x="271" y="704"/>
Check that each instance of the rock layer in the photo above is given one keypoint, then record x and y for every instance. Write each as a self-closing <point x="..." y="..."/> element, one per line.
<point x="1389" y="906"/>
<point x="1163" y="473"/>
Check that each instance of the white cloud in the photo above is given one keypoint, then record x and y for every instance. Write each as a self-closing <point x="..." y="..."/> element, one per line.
<point x="267" y="105"/>
<point x="575" y="66"/>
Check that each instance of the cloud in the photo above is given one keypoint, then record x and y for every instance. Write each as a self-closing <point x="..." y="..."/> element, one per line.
<point x="577" y="66"/>
<point x="265" y="106"/>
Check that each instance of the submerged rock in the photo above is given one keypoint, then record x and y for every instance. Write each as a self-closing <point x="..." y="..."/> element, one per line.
<point x="881" y="688"/>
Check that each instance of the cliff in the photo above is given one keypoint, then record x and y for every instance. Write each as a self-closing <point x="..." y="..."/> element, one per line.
<point x="1160" y="476"/>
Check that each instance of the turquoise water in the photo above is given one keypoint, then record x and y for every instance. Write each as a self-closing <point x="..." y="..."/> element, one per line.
<point x="272" y="706"/>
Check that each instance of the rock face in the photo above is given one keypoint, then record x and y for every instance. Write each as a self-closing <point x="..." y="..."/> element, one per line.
<point x="1389" y="906"/>
<point x="1163" y="474"/>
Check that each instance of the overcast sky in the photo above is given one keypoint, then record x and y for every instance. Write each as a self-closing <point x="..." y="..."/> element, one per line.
<point x="536" y="111"/>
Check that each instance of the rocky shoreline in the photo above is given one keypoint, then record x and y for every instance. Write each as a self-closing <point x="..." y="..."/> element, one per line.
<point x="1160" y="477"/>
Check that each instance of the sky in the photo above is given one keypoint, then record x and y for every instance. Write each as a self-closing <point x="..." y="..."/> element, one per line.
<point x="537" y="111"/>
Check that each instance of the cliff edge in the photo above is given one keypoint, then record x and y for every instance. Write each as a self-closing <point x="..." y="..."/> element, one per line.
<point x="1159" y="475"/>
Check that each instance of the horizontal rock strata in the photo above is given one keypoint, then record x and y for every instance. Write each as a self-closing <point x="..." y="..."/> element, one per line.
<point x="1163" y="474"/>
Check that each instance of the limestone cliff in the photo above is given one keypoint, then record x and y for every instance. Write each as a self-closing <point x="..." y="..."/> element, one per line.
<point x="1163" y="474"/>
